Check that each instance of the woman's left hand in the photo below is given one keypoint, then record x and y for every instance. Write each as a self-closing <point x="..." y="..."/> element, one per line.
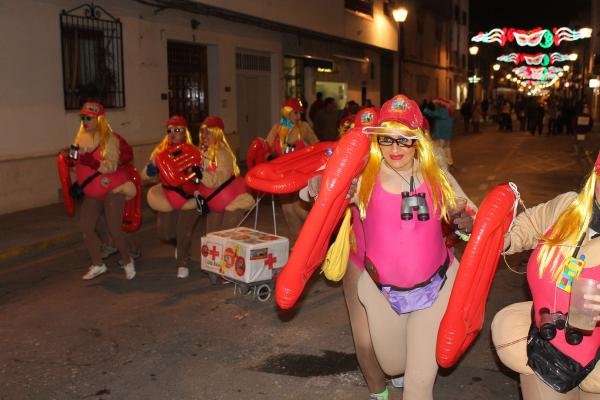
<point x="463" y="221"/>
<point x="593" y="303"/>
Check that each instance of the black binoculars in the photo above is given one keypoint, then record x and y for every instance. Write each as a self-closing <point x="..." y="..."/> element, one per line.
<point x="73" y="152"/>
<point x="414" y="202"/>
<point x="550" y="322"/>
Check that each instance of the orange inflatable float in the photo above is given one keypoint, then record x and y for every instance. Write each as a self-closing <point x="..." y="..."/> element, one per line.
<point x="290" y="172"/>
<point x="464" y="316"/>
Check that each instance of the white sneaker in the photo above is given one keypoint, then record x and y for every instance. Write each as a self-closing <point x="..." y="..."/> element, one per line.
<point x="94" y="271"/>
<point x="107" y="250"/>
<point x="183" y="272"/>
<point x="398" y="382"/>
<point x="129" y="270"/>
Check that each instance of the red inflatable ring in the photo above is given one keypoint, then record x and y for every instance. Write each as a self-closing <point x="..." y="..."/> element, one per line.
<point x="258" y="152"/>
<point x="465" y="313"/>
<point x="64" y="174"/>
<point x="132" y="212"/>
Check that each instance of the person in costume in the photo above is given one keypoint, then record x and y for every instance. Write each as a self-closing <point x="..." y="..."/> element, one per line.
<point x="176" y="213"/>
<point x="346" y="124"/>
<point x="534" y="338"/>
<point x="442" y="127"/>
<point x="400" y="274"/>
<point x="222" y="174"/>
<point x="105" y="186"/>
<point x="289" y="134"/>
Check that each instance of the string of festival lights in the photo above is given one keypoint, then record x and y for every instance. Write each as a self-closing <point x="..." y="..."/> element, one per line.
<point x="536" y="37"/>
<point x="542" y="59"/>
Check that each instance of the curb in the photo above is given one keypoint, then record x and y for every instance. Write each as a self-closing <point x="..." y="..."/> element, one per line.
<point x="18" y="251"/>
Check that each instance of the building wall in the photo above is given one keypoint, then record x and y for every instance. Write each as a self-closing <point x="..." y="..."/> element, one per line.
<point x="32" y="104"/>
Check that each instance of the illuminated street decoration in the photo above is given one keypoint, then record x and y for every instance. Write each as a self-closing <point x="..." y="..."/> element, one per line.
<point x="537" y="73"/>
<point x="535" y="37"/>
<point x="534" y="59"/>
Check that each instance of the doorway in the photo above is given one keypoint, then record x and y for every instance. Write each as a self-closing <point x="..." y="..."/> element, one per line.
<point x="188" y="83"/>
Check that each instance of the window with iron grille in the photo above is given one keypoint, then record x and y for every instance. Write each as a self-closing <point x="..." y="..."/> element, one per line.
<point x="92" y="57"/>
<point x="360" y="6"/>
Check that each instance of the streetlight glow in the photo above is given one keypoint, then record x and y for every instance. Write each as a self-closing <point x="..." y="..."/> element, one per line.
<point x="473" y="50"/>
<point x="566" y="68"/>
<point x="585" y="32"/>
<point x="496" y="67"/>
<point x="573" y="56"/>
<point x="508" y="76"/>
<point x="400" y="14"/>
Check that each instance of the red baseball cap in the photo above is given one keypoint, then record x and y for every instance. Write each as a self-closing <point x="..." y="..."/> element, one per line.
<point x="91" y="109"/>
<point x="366" y="117"/>
<point x="294" y="103"/>
<point x="213" y="121"/>
<point x="177" y="120"/>
<point x="399" y="109"/>
<point x="597" y="164"/>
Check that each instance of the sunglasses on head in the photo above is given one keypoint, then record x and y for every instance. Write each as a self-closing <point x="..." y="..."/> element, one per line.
<point x="85" y="118"/>
<point x="401" y="141"/>
<point x="175" y="130"/>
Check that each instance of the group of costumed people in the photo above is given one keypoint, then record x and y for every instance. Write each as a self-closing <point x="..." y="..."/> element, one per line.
<point x="399" y="277"/>
<point x="400" y="272"/>
<point x="218" y="192"/>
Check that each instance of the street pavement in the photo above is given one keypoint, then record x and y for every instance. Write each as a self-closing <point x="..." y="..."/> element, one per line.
<point x="158" y="337"/>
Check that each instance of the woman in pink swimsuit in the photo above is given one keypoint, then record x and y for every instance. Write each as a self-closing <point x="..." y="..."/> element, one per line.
<point x="553" y="360"/>
<point x="399" y="278"/>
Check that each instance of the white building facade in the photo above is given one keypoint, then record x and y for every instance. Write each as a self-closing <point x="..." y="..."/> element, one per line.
<point x="147" y="59"/>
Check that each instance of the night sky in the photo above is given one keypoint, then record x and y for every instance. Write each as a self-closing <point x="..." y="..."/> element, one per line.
<point x="527" y="14"/>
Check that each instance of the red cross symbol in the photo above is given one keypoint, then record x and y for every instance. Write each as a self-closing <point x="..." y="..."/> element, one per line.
<point x="213" y="253"/>
<point x="270" y="260"/>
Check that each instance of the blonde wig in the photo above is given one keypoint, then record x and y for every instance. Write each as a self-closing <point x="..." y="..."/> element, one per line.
<point x="166" y="141"/>
<point x="570" y="226"/>
<point x="435" y="178"/>
<point x="103" y="129"/>
<point x="219" y="140"/>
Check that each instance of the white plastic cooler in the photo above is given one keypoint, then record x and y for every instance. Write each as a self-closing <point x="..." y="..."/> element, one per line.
<point x="244" y="254"/>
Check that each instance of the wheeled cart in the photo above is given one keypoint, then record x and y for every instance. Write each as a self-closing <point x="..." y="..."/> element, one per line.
<point x="246" y="257"/>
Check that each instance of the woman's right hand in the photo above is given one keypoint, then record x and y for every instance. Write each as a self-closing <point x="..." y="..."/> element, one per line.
<point x="151" y="170"/>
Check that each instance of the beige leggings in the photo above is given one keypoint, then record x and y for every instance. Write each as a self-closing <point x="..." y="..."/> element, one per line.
<point x="510" y="328"/>
<point x="406" y="344"/>
<point x="360" y="332"/>
<point x="91" y="210"/>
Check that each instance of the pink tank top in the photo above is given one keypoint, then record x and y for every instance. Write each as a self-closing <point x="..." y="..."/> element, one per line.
<point x="103" y="184"/>
<point x="405" y="253"/>
<point x="543" y="291"/>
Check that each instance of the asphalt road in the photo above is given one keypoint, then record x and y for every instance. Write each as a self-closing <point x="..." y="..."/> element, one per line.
<point x="158" y="337"/>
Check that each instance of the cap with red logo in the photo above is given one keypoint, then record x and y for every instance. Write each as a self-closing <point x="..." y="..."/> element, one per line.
<point x="399" y="109"/>
<point x="213" y="121"/>
<point x="92" y="109"/>
<point x="294" y="103"/>
<point x="177" y="120"/>
<point x="597" y="164"/>
<point x="366" y="117"/>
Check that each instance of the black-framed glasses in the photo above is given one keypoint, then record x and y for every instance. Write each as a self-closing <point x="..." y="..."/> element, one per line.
<point x="401" y="141"/>
<point x="85" y="118"/>
<point x="175" y="130"/>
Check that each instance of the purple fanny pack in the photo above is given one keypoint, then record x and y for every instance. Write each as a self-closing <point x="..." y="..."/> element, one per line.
<point x="420" y="296"/>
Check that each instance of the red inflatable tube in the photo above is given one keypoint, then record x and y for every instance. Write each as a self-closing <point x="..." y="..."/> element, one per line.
<point x="346" y="163"/>
<point x="290" y="173"/>
<point x="464" y="316"/>
<point x="257" y="153"/>
<point x="62" y="162"/>
<point x="132" y="212"/>
<point x="175" y="164"/>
